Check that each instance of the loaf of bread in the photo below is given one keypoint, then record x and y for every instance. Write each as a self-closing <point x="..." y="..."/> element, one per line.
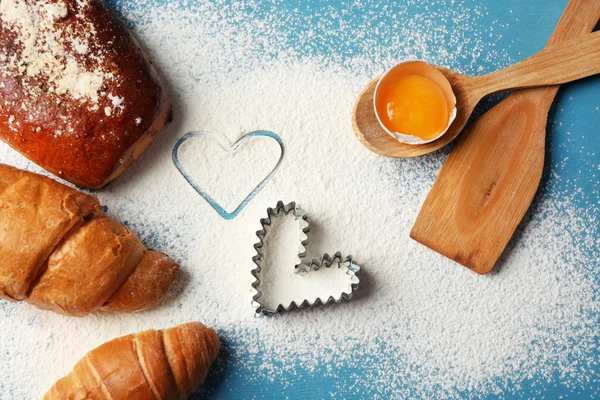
<point x="78" y="96"/>
<point x="152" y="365"/>
<point x="60" y="252"/>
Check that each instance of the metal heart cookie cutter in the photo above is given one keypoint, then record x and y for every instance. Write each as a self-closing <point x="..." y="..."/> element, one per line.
<point x="283" y="281"/>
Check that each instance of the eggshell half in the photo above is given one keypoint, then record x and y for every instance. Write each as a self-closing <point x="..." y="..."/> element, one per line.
<point x="422" y="68"/>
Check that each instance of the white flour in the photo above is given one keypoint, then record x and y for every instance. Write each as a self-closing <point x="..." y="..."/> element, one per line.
<point x="420" y="325"/>
<point x="43" y="51"/>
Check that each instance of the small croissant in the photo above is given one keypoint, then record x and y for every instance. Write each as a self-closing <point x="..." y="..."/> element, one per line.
<point x="151" y="365"/>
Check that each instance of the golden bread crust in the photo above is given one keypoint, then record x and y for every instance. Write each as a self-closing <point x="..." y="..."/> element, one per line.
<point x="60" y="252"/>
<point x="163" y="365"/>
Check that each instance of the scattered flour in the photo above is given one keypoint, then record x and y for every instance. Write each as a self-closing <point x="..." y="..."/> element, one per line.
<point x="420" y="325"/>
<point x="56" y="11"/>
<point x="42" y="54"/>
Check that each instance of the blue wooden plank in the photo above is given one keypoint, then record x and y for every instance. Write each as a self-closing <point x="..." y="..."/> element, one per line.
<point x="520" y="29"/>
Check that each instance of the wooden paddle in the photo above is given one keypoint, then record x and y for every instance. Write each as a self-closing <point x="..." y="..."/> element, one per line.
<point x="490" y="178"/>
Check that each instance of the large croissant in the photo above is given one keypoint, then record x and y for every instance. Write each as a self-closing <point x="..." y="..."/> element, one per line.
<point x="152" y="365"/>
<point x="60" y="252"/>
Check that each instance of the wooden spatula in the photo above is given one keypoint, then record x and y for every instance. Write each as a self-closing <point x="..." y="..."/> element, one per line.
<point x="490" y="178"/>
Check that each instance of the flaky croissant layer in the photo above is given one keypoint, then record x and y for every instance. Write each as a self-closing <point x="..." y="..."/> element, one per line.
<point x="161" y="365"/>
<point x="60" y="252"/>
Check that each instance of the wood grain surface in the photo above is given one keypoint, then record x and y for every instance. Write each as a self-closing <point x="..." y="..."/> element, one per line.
<point x="489" y="180"/>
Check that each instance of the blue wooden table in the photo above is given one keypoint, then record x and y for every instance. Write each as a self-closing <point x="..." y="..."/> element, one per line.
<point x="516" y="29"/>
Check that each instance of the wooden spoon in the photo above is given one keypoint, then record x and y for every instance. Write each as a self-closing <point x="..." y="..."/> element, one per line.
<point x="491" y="176"/>
<point x="565" y="62"/>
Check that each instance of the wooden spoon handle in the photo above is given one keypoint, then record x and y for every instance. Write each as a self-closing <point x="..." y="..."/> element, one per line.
<point x="560" y="63"/>
<point x="579" y="19"/>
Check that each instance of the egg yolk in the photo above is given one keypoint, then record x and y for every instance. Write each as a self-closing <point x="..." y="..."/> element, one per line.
<point x="412" y="105"/>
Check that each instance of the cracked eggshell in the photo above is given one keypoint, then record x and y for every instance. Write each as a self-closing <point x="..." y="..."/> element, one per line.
<point x="423" y="68"/>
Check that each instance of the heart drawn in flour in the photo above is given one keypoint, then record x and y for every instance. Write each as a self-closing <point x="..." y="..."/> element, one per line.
<point x="283" y="280"/>
<point x="228" y="176"/>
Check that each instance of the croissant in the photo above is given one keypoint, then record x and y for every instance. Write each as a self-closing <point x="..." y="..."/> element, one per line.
<point x="60" y="252"/>
<point x="150" y="365"/>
